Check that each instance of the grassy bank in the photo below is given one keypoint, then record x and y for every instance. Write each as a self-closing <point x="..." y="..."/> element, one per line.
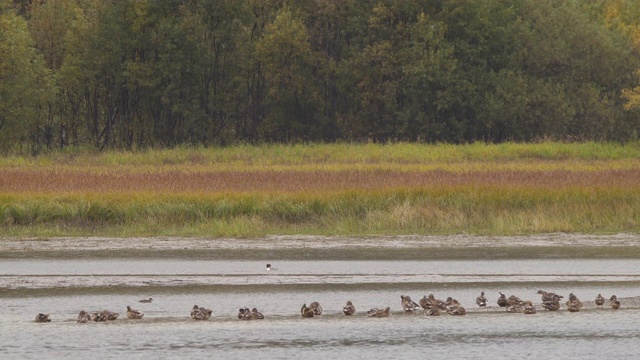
<point x="325" y="189"/>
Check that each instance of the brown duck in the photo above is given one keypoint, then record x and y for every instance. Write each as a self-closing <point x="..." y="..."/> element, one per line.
<point x="349" y="309"/>
<point x="306" y="311"/>
<point x="502" y="300"/>
<point x="481" y="300"/>
<point x="434" y="311"/>
<point x="42" y="318"/>
<point x="378" y="312"/>
<point x="408" y="305"/>
<point x="614" y="302"/>
<point x="317" y="309"/>
<point x="529" y="309"/>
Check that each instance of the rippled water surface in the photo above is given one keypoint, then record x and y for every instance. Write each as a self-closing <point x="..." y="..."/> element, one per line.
<point x="64" y="276"/>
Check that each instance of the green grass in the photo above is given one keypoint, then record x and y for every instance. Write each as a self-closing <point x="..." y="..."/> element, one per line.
<point x="318" y="154"/>
<point x="435" y="211"/>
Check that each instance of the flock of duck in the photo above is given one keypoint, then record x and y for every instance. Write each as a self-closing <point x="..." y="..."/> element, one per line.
<point x="429" y="304"/>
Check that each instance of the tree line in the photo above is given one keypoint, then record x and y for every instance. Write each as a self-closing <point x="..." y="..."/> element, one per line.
<point x="144" y="73"/>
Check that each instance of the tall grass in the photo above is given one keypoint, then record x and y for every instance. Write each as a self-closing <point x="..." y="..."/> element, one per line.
<point x="442" y="210"/>
<point x="331" y="189"/>
<point x="342" y="153"/>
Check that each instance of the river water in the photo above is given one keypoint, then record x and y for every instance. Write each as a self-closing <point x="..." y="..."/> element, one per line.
<point x="64" y="276"/>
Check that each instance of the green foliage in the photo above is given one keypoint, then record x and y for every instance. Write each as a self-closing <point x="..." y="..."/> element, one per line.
<point x="138" y="74"/>
<point x="25" y="84"/>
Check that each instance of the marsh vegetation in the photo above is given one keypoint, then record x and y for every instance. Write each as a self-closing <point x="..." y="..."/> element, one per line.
<point x="334" y="189"/>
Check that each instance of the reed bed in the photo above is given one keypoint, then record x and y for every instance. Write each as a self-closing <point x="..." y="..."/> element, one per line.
<point x="340" y="189"/>
<point x="440" y="210"/>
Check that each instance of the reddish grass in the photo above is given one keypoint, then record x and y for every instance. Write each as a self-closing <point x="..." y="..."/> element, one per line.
<point x="47" y="181"/>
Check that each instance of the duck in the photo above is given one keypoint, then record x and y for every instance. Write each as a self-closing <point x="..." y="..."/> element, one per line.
<point x="614" y="302"/>
<point x="552" y="305"/>
<point x="349" y="309"/>
<point x="84" y="317"/>
<point x="529" y="309"/>
<point x="256" y="315"/>
<point x="573" y="304"/>
<point x="146" y="300"/>
<point x="548" y="296"/>
<point x="200" y="313"/>
<point x="434" y="311"/>
<point x="407" y="304"/>
<point x="99" y="316"/>
<point x="104" y="315"/>
<point x="271" y="268"/>
<point x="436" y="302"/>
<point x="206" y="313"/>
<point x="599" y="300"/>
<point x="425" y="303"/>
<point x="514" y="300"/>
<point x="307" y="312"/>
<point x="514" y="308"/>
<point x="133" y="313"/>
<point x="317" y="309"/>
<point x="450" y="301"/>
<point x="502" y="300"/>
<point x="481" y="300"/>
<point x="111" y="315"/>
<point x="42" y="318"/>
<point x="456" y="310"/>
<point x="244" y="313"/>
<point x="378" y="312"/>
<point x="451" y="304"/>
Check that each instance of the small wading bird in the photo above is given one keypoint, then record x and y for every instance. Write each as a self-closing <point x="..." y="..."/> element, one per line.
<point x="133" y="313"/>
<point x="146" y="300"/>
<point x="407" y="304"/>
<point x="42" y="318"/>
<point x="614" y="302"/>
<point x="481" y="300"/>
<point x="378" y="312"/>
<point x="349" y="309"/>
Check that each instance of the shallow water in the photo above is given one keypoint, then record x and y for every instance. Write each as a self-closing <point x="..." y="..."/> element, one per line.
<point x="63" y="277"/>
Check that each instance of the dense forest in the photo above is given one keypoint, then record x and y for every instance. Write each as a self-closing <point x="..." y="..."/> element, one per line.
<point x="137" y="74"/>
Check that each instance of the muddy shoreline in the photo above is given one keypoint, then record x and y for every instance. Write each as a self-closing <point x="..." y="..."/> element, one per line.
<point x="9" y="244"/>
